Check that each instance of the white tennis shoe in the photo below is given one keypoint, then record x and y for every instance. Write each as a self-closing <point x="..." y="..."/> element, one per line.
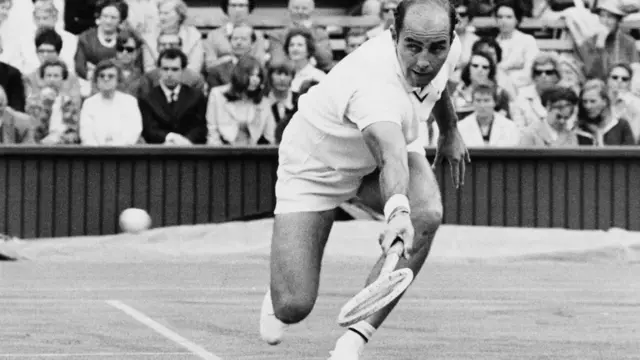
<point x="347" y="348"/>
<point x="271" y="328"/>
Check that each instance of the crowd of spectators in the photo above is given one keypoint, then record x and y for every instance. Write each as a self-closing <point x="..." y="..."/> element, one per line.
<point x="143" y="74"/>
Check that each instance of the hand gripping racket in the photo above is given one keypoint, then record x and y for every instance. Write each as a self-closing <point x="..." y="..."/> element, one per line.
<point x="388" y="286"/>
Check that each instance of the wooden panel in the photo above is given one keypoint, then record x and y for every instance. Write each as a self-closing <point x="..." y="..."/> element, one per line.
<point x="14" y="197"/>
<point x="466" y="204"/>
<point x="451" y="202"/>
<point x="220" y="190"/>
<point x="93" y="205"/>
<point x="142" y="185"/>
<point x="620" y="201"/>
<point x="543" y="193"/>
<point x="481" y="195"/>
<point x="266" y="186"/>
<point x="559" y="195"/>
<point x="574" y="195"/>
<point x="78" y="197"/>
<point x="512" y="194"/>
<point x="109" y="194"/>
<point x="204" y="186"/>
<point x="30" y="203"/>
<point x="633" y="176"/>
<point x="62" y="205"/>
<point x="528" y="201"/>
<point x="497" y="191"/>
<point x="234" y="193"/>
<point x="156" y="191"/>
<point x="187" y="192"/>
<point x="590" y="182"/>
<point x="171" y="192"/>
<point x="250" y="186"/>
<point x="604" y="210"/>
<point x="46" y="199"/>
<point x="125" y="187"/>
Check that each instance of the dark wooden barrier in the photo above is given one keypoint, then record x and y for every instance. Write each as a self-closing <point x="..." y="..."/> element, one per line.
<point x="61" y="191"/>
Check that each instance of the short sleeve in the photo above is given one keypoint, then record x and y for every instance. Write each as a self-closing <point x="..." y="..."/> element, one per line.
<point x="376" y="103"/>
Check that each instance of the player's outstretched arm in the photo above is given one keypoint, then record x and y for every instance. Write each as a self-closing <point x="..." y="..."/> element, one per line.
<point x="388" y="146"/>
<point x="445" y="113"/>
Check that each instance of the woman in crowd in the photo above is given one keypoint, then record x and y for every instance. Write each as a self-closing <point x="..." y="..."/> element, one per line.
<point x="571" y="73"/>
<point x="129" y="48"/>
<point x="172" y="20"/>
<point x="110" y="117"/>
<point x="299" y="47"/>
<point x="490" y="46"/>
<point x="518" y="49"/>
<point x="479" y="69"/>
<point x="240" y="113"/>
<point x="597" y="125"/>
<point x="624" y="103"/>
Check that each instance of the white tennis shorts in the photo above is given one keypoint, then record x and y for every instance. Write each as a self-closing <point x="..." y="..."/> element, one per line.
<point x="305" y="184"/>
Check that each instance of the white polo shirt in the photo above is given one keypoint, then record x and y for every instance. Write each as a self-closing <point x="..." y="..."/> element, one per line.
<point x="365" y="87"/>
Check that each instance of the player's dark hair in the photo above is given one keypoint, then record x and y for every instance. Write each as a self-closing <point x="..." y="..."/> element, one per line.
<point x="404" y="5"/>
<point x="172" y="54"/>
<point x="49" y="37"/>
<point x="558" y="93"/>
<point x="224" y="5"/>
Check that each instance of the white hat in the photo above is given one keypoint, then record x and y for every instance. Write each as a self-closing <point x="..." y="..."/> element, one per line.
<point x="612" y="6"/>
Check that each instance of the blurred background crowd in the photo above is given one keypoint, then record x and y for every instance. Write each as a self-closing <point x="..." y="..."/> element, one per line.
<point x="126" y="72"/>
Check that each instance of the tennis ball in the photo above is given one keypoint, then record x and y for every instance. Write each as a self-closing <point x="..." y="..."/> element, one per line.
<point x="134" y="220"/>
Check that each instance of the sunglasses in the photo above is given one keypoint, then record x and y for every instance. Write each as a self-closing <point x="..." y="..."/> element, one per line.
<point x="104" y="76"/>
<point x="622" y="78"/>
<point x="390" y="9"/>
<point x="128" y="49"/>
<point x="545" y="72"/>
<point x="483" y="67"/>
<point x="463" y="14"/>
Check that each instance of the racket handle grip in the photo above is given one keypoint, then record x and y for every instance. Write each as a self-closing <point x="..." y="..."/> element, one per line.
<point x="393" y="256"/>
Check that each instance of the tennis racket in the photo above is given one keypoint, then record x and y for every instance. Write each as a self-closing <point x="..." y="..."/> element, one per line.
<point x="387" y="287"/>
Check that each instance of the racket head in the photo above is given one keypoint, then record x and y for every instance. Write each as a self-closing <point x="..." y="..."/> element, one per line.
<point x="375" y="296"/>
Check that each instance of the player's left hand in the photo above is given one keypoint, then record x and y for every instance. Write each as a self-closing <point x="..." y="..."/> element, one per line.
<point x="452" y="147"/>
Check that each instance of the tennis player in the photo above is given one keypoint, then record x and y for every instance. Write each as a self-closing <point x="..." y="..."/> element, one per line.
<point x="357" y="134"/>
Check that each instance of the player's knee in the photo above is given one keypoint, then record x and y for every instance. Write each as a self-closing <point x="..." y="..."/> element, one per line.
<point x="293" y="308"/>
<point x="428" y="218"/>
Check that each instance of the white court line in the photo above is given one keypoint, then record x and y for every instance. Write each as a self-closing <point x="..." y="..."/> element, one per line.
<point x="83" y="355"/>
<point x="160" y="329"/>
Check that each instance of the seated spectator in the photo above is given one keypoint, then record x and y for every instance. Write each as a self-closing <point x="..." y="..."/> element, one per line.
<point x="301" y="16"/>
<point x="612" y="46"/>
<point x="173" y="113"/>
<point x="15" y="127"/>
<point x="129" y="47"/>
<point x="597" y="125"/>
<point x="152" y="78"/>
<point x="479" y="69"/>
<point x="300" y="49"/>
<point x="12" y="85"/>
<point x="387" y="12"/>
<point x="109" y="117"/>
<point x="466" y="34"/>
<point x="242" y="40"/>
<point x="559" y="128"/>
<point x="528" y="108"/>
<point x="45" y="18"/>
<point x="99" y="43"/>
<point x="518" y="49"/>
<point x="240" y="113"/>
<point x="571" y="74"/>
<point x="304" y="88"/>
<point x="218" y="42"/>
<point x="625" y="104"/>
<point x="9" y="43"/>
<point x="143" y="17"/>
<point x="354" y="39"/>
<point x="485" y="126"/>
<point x="173" y="16"/>
<point x="490" y="46"/>
<point x="48" y="44"/>
<point x="280" y="76"/>
<point x="54" y="109"/>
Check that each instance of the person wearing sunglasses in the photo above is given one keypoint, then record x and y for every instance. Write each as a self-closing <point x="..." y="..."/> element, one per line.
<point x="387" y="9"/>
<point x="110" y="117"/>
<point x="624" y="103"/>
<point x="528" y="108"/>
<point x="128" y="53"/>
<point x="466" y="34"/>
<point x="479" y="69"/>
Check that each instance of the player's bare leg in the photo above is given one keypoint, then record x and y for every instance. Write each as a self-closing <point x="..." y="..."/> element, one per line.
<point x="426" y="215"/>
<point x="297" y="248"/>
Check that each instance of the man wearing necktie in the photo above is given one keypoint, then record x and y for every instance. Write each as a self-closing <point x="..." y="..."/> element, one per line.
<point x="173" y="113"/>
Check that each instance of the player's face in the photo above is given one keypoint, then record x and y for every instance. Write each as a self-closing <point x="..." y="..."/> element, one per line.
<point x="423" y="43"/>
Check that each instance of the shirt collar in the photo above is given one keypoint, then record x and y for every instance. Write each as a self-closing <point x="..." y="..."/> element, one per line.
<point x="167" y="92"/>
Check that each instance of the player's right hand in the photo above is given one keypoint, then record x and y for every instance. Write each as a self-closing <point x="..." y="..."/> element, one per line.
<point x="399" y="226"/>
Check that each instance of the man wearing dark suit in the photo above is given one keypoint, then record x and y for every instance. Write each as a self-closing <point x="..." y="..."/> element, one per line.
<point x="11" y="81"/>
<point x="15" y="127"/>
<point x="242" y="39"/>
<point x="173" y="113"/>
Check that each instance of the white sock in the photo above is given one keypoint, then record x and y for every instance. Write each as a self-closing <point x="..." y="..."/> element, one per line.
<point x="363" y="329"/>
